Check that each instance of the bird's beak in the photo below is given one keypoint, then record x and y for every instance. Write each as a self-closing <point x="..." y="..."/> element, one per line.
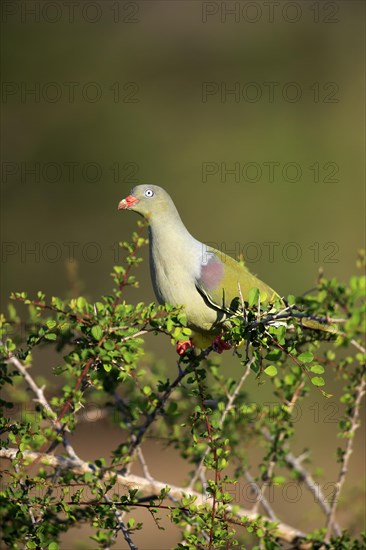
<point x="127" y="202"/>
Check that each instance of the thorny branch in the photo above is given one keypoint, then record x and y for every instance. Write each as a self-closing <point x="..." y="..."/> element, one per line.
<point x="40" y="397"/>
<point x="149" y="485"/>
<point x="151" y="417"/>
<point x="346" y="457"/>
<point x="295" y="463"/>
<point x="133" y="482"/>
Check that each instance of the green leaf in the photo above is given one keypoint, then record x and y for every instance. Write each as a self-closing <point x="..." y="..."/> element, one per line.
<point x="271" y="370"/>
<point x="50" y="336"/>
<point x="108" y="345"/>
<point x="273" y="355"/>
<point x="97" y="332"/>
<point x="51" y="323"/>
<point x="317" y="369"/>
<point x="289" y="379"/>
<point x="253" y="296"/>
<point x="81" y="302"/>
<point x="306" y="357"/>
<point x="318" y="381"/>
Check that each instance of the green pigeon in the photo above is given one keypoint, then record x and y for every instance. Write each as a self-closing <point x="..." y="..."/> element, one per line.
<point x="186" y="272"/>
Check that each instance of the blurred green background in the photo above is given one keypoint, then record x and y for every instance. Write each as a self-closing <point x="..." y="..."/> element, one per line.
<point x="119" y="99"/>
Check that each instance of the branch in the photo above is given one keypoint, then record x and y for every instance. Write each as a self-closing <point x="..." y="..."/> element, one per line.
<point x="295" y="463"/>
<point x="121" y="524"/>
<point x="272" y="464"/>
<point x="346" y="457"/>
<point x="137" y="439"/>
<point x="133" y="482"/>
<point x="229" y="405"/>
<point x="41" y="399"/>
<point x="358" y="346"/>
<point x="201" y="466"/>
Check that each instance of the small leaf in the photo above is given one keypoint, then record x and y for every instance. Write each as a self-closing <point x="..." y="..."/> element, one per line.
<point x="97" y="332"/>
<point x="253" y="296"/>
<point x="81" y="302"/>
<point x="306" y="357"/>
<point x="108" y="345"/>
<point x="271" y="370"/>
<point x="317" y="369"/>
<point x="274" y="355"/>
<point x="318" y="381"/>
<point x="50" y="336"/>
<point x="289" y="379"/>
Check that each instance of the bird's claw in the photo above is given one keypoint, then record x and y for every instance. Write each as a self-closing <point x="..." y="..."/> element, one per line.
<point x="219" y="345"/>
<point x="182" y="347"/>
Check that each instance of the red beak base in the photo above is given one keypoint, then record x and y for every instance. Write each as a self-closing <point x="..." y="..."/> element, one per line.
<point x="127" y="202"/>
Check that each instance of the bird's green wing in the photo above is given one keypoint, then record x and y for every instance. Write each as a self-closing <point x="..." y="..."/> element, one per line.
<point x="220" y="279"/>
<point x="219" y="282"/>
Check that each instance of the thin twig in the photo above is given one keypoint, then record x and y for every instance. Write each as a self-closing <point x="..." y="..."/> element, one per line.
<point x="229" y="405"/>
<point x="151" y="417"/>
<point x="41" y="399"/>
<point x="260" y="496"/>
<point x="121" y="524"/>
<point x="295" y="464"/>
<point x="358" y="346"/>
<point x="346" y="457"/>
<point x="273" y="462"/>
<point x="143" y="464"/>
<point x="133" y="482"/>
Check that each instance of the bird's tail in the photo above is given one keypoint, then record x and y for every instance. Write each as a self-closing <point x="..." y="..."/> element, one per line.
<point x="316" y="325"/>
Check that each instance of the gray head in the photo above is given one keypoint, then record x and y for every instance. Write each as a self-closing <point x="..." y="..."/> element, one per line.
<point x="149" y="201"/>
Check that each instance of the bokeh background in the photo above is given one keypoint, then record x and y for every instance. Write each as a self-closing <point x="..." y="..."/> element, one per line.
<point x="135" y="92"/>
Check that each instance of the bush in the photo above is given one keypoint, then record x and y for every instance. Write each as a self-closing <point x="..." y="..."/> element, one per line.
<point x="202" y="412"/>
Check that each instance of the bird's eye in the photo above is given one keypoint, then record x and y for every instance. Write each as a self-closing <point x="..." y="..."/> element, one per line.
<point x="149" y="193"/>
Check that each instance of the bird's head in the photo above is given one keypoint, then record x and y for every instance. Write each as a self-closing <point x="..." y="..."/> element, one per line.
<point x="147" y="200"/>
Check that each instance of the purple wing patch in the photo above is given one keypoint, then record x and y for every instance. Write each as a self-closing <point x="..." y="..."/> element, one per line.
<point x="212" y="274"/>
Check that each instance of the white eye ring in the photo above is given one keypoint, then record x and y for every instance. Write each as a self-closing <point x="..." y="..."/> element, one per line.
<point x="149" y="193"/>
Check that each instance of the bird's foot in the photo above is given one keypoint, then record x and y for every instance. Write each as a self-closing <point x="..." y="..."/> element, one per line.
<point x="182" y="347"/>
<point x="219" y="345"/>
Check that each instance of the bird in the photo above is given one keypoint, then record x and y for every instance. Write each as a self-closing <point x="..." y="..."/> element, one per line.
<point x="210" y="285"/>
